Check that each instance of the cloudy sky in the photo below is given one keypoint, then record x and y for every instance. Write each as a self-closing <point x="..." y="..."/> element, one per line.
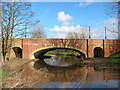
<point x="58" y="18"/>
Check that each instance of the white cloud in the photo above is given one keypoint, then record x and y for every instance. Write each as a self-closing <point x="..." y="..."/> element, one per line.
<point x="63" y="29"/>
<point x="68" y="28"/>
<point x="96" y="33"/>
<point x="60" y="32"/>
<point x="58" y="35"/>
<point x="111" y="24"/>
<point x="81" y="27"/>
<point x="99" y="33"/>
<point x="84" y="4"/>
<point x="62" y="17"/>
<point x="66" y="23"/>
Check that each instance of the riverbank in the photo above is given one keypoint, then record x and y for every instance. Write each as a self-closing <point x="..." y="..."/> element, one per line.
<point x="112" y="62"/>
<point x="19" y="74"/>
<point x="62" y="52"/>
<point x="103" y="63"/>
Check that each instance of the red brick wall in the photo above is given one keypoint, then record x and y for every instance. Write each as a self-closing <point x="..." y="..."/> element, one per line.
<point x="92" y="43"/>
<point x="111" y="47"/>
<point x="30" y="45"/>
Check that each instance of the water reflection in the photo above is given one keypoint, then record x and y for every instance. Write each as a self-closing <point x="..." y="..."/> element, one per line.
<point x="74" y="75"/>
<point x="41" y="64"/>
<point x="62" y="60"/>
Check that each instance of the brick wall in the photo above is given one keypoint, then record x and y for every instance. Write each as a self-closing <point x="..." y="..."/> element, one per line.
<point x="30" y="46"/>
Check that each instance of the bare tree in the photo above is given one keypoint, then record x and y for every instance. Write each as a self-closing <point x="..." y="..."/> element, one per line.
<point x="72" y="38"/>
<point x="76" y="35"/>
<point x="82" y="33"/>
<point x="113" y="10"/>
<point x="38" y="32"/>
<point x="68" y="43"/>
<point x="13" y="18"/>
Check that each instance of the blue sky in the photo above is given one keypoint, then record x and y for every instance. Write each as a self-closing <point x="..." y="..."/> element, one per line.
<point x="58" y="18"/>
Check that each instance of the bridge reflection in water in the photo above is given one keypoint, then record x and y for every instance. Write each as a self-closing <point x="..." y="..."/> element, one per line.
<point x="75" y="76"/>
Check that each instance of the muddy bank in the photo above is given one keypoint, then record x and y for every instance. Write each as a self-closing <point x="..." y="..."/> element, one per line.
<point x="100" y="64"/>
<point x="20" y="74"/>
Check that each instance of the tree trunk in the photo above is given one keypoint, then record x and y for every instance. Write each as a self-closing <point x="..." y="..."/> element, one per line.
<point x="11" y="37"/>
<point x="2" y="38"/>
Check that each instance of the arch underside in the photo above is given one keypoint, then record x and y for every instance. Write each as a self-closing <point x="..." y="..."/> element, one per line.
<point x="18" y="52"/>
<point x="40" y="54"/>
<point x="98" y="52"/>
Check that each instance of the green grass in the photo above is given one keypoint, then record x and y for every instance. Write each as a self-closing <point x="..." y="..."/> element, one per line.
<point x="112" y="59"/>
<point x="115" y="54"/>
<point x="62" y="52"/>
<point x="3" y="74"/>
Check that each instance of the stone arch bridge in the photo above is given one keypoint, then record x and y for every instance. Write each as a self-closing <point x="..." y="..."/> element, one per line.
<point x="33" y="48"/>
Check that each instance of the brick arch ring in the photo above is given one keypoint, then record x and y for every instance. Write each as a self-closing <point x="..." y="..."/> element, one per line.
<point x="39" y="52"/>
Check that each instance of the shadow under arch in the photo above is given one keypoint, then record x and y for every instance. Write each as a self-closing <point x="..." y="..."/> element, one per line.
<point x="18" y="52"/>
<point x="40" y="54"/>
<point x="98" y="52"/>
<point x="42" y="64"/>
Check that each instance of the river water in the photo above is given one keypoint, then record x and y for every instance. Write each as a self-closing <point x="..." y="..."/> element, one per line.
<point x="68" y="72"/>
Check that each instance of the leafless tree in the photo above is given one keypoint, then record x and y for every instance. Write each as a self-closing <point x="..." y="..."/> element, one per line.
<point x="76" y="35"/>
<point x="58" y="42"/>
<point x="13" y="18"/>
<point x="113" y="10"/>
<point x="72" y="39"/>
<point x="38" y="32"/>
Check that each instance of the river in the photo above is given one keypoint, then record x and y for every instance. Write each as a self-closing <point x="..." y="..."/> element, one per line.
<point x="68" y="72"/>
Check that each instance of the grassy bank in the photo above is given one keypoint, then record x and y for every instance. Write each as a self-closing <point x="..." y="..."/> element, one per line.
<point x="67" y="52"/>
<point x="115" y="55"/>
<point x="3" y="74"/>
<point x="113" y="59"/>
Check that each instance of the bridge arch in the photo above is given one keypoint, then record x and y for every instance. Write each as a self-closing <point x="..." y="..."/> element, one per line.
<point x="18" y="51"/>
<point x="41" y="51"/>
<point x="98" y="52"/>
